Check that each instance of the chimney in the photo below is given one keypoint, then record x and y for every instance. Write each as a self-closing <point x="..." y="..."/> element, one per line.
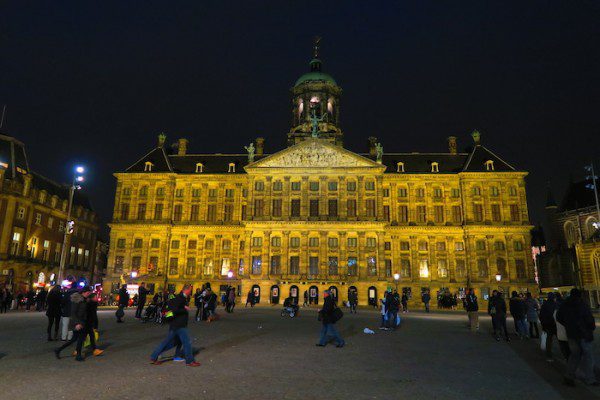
<point x="372" y="143"/>
<point x="452" y="145"/>
<point x="182" y="147"/>
<point x="161" y="139"/>
<point x="260" y="146"/>
<point x="476" y="137"/>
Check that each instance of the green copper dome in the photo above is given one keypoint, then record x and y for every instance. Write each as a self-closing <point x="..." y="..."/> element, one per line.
<point x="315" y="74"/>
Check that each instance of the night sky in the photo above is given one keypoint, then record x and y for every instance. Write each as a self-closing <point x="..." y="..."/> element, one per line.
<point x="97" y="82"/>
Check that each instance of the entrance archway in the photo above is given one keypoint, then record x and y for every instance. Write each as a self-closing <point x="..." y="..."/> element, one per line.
<point x="294" y="292"/>
<point x="313" y="295"/>
<point x="256" y="291"/>
<point x="372" y="296"/>
<point x="334" y="293"/>
<point x="274" y="294"/>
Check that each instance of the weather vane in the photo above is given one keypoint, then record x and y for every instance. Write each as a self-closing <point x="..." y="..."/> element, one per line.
<point x="316" y="46"/>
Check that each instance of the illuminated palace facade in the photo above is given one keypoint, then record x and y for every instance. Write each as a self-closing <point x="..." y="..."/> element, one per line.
<point x="316" y="216"/>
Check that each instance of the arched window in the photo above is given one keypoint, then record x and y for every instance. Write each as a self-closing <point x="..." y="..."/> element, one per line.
<point x="489" y="165"/>
<point x="199" y="168"/>
<point x="570" y="233"/>
<point x="148" y="166"/>
<point x="591" y="225"/>
<point x="435" y="167"/>
<point x="400" y="167"/>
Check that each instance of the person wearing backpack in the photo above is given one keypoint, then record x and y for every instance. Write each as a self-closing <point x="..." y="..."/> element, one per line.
<point x="177" y="317"/>
<point x="329" y="316"/>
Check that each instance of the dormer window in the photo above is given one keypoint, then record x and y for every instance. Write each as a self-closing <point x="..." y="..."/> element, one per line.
<point x="199" y="168"/>
<point x="435" y="167"/>
<point x="231" y="167"/>
<point x="148" y="166"/>
<point x="489" y="165"/>
<point x="400" y="167"/>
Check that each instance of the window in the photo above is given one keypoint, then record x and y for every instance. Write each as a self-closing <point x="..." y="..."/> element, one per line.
<point x="352" y="242"/>
<point x="276" y="208"/>
<point x="514" y="213"/>
<point x="314" y="186"/>
<point x="459" y="246"/>
<point x="313" y="265"/>
<point x="276" y="241"/>
<point x="420" y="192"/>
<point x="179" y="192"/>
<point x="402" y="192"/>
<point x="501" y="267"/>
<point x="208" y="266"/>
<point x="438" y="214"/>
<point x="38" y="218"/>
<point x="424" y="268"/>
<point x="173" y="265"/>
<point x="351" y="186"/>
<point x="402" y="213"/>
<point x="437" y="193"/>
<point x="190" y="266"/>
<point x="158" y="210"/>
<point x="209" y="244"/>
<point x="229" y="193"/>
<point x="332" y="242"/>
<point x="314" y="208"/>
<point x="231" y="167"/>
<point x="137" y="243"/>
<point x="160" y="191"/>
<point x="124" y="211"/>
<point x="454" y="192"/>
<point x="16" y="243"/>
<point x="440" y="246"/>
<point x="148" y="166"/>
<point x="351" y="207"/>
<point x="512" y="190"/>
<point x="498" y="245"/>
<point x="141" y="212"/>
<point x="371" y="242"/>
<point x="242" y="245"/>
<point x="332" y="208"/>
<point x="370" y="185"/>
<point x="259" y="208"/>
<point x="421" y="214"/>
<point x="476" y="191"/>
<point x="386" y="213"/>
<point x="482" y="268"/>
<point x="456" y="214"/>
<point x="370" y="206"/>
<point x="143" y="191"/>
<point x="226" y="245"/>
<point x="294" y="265"/>
<point x="422" y="245"/>
<point x="136" y="261"/>
<point x="496" y="217"/>
<point x="256" y="241"/>
<point x="478" y="212"/>
<point x="155" y="243"/>
<point x="153" y="264"/>
<point x="405" y="268"/>
<point x="177" y="212"/>
<point x="313" y="242"/>
<point x="371" y="266"/>
<point x="175" y="244"/>
<point x="295" y="212"/>
<point x="352" y="266"/>
<point x="295" y="186"/>
<point x="489" y="165"/>
<point x="126" y="191"/>
<point x="256" y="265"/>
<point x="276" y="265"/>
<point x="333" y="265"/>
<point x="404" y="246"/>
<point x="199" y="168"/>
<point x="494" y="191"/>
<point x="518" y="245"/>
<point x="386" y="192"/>
<point x="228" y="213"/>
<point x="387" y="245"/>
<point x="480" y="245"/>
<point x="277" y="186"/>
<point x="460" y="269"/>
<point x="259" y="186"/>
<point x="118" y="268"/>
<point x="388" y="268"/>
<point x="332" y="186"/>
<point x="400" y="167"/>
<point x="212" y="192"/>
<point x="521" y="271"/>
<point x="196" y="192"/>
<point x="294" y="242"/>
<point x="50" y="222"/>
<point x="442" y="269"/>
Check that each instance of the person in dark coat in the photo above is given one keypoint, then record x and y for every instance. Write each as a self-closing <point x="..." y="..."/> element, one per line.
<point x="30" y="299"/>
<point x="353" y="300"/>
<point x="250" y="299"/>
<point x="518" y="310"/>
<point x="532" y="307"/>
<point x="392" y="307"/>
<point x="53" y="312"/>
<point x="65" y="306"/>
<point x="328" y="331"/>
<point x="41" y="300"/>
<point x="576" y="316"/>
<point x="305" y="304"/>
<point x="77" y="321"/>
<point x="178" y="334"/>
<point x="472" y="307"/>
<point x="91" y="322"/>
<point x="143" y="294"/>
<point x="404" y="302"/>
<point x="426" y="298"/>
<point x="123" y="303"/>
<point x="199" y="302"/>
<point x="549" y="323"/>
<point x="497" y="309"/>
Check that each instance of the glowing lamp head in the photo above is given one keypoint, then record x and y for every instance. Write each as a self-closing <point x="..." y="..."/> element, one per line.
<point x="134" y="274"/>
<point x="396" y="276"/>
<point x="498" y="277"/>
<point x="230" y="274"/>
<point x="80" y="179"/>
<point x="80" y="169"/>
<point x="65" y="283"/>
<point x="81" y="284"/>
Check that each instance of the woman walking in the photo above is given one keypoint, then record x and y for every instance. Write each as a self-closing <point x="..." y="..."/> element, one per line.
<point x="53" y="312"/>
<point x="533" y="308"/>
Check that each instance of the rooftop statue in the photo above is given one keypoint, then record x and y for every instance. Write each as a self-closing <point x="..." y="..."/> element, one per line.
<point x="250" y="150"/>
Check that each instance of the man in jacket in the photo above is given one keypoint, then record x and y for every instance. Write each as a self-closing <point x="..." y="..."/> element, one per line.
<point x="518" y="310"/>
<point x="123" y="303"/>
<point x="178" y="333"/>
<point x="66" y="333"/>
<point x="392" y="305"/>
<point x="579" y="323"/>
<point x="426" y="298"/>
<point x="53" y="312"/>
<point x="497" y="309"/>
<point x="472" y="308"/>
<point x="143" y="293"/>
<point x="77" y="321"/>
<point x="327" y="318"/>
<point x="548" y="323"/>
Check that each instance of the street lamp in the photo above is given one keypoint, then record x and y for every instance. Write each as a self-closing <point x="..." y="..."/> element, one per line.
<point x="396" y="278"/>
<point x="78" y="178"/>
<point x="230" y="274"/>
<point x="134" y="274"/>
<point x="498" y="277"/>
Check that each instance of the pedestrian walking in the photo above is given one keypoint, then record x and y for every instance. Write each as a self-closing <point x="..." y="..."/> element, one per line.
<point x="199" y="302"/>
<point x="231" y="299"/>
<point x="3" y="297"/>
<point x="353" y="301"/>
<point x="179" y="315"/>
<point x="472" y="307"/>
<point x="533" y="308"/>
<point x="383" y="323"/>
<point x="426" y="298"/>
<point x="404" y="302"/>
<point x="392" y="307"/>
<point x="41" y="300"/>
<point x="497" y="310"/>
<point x="30" y="299"/>
<point x="65" y="307"/>
<point x="53" y="312"/>
<point x="210" y="305"/>
<point x="518" y="310"/>
<point x="548" y="323"/>
<point x="91" y="323"/>
<point x="123" y="303"/>
<point x="329" y="316"/>
<point x="561" y="332"/>
<point x="250" y="299"/>
<point x="305" y="304"/>
<point x="577" y="318"/>
<point x="143" y="294"/>
<point x="77" y="320"/>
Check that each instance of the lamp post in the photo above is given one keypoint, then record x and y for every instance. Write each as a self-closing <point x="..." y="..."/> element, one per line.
<point x="75" y="185"/>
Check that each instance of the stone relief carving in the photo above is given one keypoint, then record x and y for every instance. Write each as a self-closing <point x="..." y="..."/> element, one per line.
<point x="314" y="155"/>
